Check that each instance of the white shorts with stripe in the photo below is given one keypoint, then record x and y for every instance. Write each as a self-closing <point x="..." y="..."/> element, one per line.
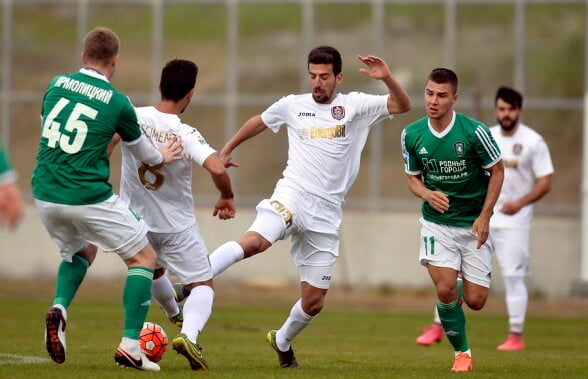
<point x="311" y="221"/>
<point x="110" y="225"/>
<point x="455" y="247"/>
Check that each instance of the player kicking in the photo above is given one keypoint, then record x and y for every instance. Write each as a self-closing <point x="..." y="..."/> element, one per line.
<point x="327" y="131"/>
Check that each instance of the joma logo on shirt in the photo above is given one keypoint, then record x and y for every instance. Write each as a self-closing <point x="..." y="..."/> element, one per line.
<point x="306" y="114"/>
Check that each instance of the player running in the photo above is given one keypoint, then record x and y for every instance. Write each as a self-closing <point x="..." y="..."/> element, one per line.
<point x="454" y="165"/>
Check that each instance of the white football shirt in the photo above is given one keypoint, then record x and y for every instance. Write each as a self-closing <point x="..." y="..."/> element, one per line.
<point x="526" y="157"/>
<point x="166" y="206"/>
<point x="325" y="140"/>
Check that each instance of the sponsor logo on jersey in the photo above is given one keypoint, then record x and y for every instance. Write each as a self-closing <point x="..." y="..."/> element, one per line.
<point x="337" y="131"/>
<point x="459" y="149"/>
<point x="517" y="149"/>
<point x="423" y="150"/>
<point x="306" y="114"/>
<point x="201" y="140"/>
<point x="338" y="112"/>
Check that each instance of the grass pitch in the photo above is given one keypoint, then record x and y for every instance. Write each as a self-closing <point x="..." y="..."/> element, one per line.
<point x="354" y="337"/>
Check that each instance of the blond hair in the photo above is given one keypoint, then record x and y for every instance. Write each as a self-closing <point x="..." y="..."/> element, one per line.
<point x="101" y="45"/>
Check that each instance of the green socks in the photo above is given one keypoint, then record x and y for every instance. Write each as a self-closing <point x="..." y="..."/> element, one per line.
<point x="69" y="278"/>
<point x="453" y="321"/>
<point x="136" y="294"/>
<point x="136" y="300"/>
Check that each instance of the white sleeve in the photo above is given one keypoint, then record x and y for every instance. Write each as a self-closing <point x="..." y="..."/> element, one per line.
<point x="143" y="150"/>
<point x="195" y="146"/>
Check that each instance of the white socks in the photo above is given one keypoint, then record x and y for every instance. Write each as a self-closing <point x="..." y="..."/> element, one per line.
<point x="296" y="322"/>
<point x="163" y="293"/>
<point x="225" y="256"/>
<point x="517" y="298"/>
<point x="197" y="311"/>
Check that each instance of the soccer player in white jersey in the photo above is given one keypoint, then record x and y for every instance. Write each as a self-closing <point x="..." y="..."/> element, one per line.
<point x="454" y="165"/>
<point x="327" y="131"/>
<point x="527" y="178"/>
<point x="163" y="197"/>
<point x="81" y="113"/>
<point x="11" y="205"/>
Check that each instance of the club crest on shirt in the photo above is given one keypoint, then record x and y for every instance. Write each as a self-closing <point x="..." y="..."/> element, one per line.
<point x="338" y="112"/>
<point x="459" y="149"/>
<point x="517" y="149"/>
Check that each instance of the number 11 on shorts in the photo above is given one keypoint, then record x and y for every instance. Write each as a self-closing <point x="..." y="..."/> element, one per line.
<point x="429" y="243"/>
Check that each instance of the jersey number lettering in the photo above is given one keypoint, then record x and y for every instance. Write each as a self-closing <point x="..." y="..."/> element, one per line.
<point x="429" y="244"/>
<point x="154" y="174"/>
<point x="77" y="129"/>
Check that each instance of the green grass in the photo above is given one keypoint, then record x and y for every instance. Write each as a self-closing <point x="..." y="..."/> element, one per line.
<point x="339" y="343"/>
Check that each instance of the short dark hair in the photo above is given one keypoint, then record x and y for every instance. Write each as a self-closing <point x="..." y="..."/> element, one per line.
<point x="326" y="55"/>
<point x="509" y="95"/>
<point x="178" y="77"/>
<point x="444" y="75"/>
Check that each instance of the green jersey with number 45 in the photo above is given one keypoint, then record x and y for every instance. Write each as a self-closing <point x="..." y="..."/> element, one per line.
<point x="81" y="112"/>
<point x="453" y="162"/>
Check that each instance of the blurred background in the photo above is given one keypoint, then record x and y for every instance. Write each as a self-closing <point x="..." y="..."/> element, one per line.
<point x="252" y="52"/>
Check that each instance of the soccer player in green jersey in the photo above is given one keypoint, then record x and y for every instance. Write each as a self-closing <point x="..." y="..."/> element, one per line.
<point x="454" y="165"/>
<point x="11" y="206"/>
<point x="80" y="114"/>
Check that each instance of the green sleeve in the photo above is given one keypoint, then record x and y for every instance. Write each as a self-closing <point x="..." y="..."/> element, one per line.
<point x="127" y="125"/>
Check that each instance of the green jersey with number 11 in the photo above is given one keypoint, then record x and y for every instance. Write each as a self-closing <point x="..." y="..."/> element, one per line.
<point x="80" y="114"/>
<point x="453" y="162"/>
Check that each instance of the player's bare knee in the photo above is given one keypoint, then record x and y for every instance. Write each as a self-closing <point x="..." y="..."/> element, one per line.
<point x="313" y="307"/>
<point x="446" y="293"/>
<point x="476" y="302"/>
<point x="253" y="243"/>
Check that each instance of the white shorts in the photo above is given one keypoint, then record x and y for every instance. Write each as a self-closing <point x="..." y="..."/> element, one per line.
<point x="311" y="221"/>
<point x="511" y="246"/>
<point x="455" y="247"/>
<point x="110" y="225"/>
<point x="184" y="254"/>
